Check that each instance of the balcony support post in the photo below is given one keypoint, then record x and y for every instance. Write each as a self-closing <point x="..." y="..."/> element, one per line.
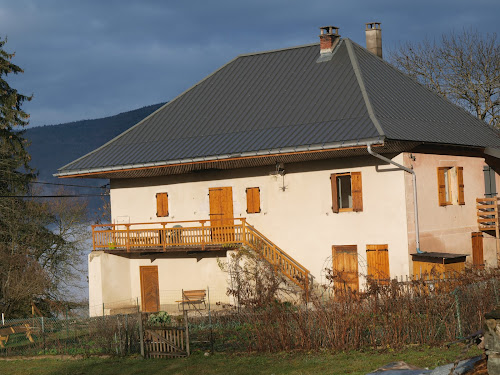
<point x="202" y="234"/>
<point x="243" y="231"/>
<point x="128" y="237"/>
<point x="164" y="237"/>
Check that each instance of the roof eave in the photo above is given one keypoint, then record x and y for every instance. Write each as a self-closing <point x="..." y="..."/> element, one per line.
<point x="379" y="141"/>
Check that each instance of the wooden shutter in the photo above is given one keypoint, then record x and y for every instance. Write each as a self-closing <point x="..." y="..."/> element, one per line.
<point x="441" y="186"/>
<point x="150" y="290"/>
<point x="253" y="200"/>
<point x="377" y="257"/>
<point x="161" y="204"/>
<point x="345" y="266"/>
<point x="356" y="190"/>
<point x="477" y="250"/>
<point x="335" y="194"/>
<point x="460" y="182"/>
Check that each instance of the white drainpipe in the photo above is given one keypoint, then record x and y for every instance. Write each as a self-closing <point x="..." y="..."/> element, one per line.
<point x="417" y="233"/>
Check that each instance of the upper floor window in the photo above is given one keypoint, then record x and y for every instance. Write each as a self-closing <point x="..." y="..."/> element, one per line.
<point x="346" y="192"/>
<point x="450" y="183"/>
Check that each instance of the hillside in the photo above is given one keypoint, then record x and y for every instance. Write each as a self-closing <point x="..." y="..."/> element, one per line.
<point x="53" y="146"/>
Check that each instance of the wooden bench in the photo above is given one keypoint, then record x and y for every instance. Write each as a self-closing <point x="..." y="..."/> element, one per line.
<point x="193" y="298"/>
<point x="5" y="332"/>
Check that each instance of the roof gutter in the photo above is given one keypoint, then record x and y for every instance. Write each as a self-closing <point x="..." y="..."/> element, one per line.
<point x="260" y="153"/>
<point x="414" y="176"/>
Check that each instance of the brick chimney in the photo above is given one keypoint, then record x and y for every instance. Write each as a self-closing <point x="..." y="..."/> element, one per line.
<point x="374" y="38"/>
<point x="328" y="39"/>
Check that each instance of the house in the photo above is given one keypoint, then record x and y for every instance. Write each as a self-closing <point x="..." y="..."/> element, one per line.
<point x="312" y="155"/>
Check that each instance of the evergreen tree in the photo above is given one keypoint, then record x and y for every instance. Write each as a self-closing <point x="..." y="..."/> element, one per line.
<point x="38" y="248"/>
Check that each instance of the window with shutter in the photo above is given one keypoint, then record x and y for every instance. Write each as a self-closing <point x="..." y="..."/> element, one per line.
<point x="345" y="267"/>
<point x="253" y="200"/>
<point x="377" y="258"/>
<point x="346" y="192"/>
<point x="444" y="193"/>
<point x="161" y="204"/>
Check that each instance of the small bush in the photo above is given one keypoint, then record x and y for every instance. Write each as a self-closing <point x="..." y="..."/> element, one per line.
<point x="160" y="318"/>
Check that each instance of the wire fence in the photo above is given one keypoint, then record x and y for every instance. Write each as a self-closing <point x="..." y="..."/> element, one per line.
<point x="115" y="335"/>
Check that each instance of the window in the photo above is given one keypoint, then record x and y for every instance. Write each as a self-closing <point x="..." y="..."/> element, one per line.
<point x="446" y="177"/>
<point x="253" y="200"/>
<point x="346" y="192"/>
<point x="161" y="204"/>
<point x="377" y="258"/>
<point x="345" y="267"/>
<point x="490" y="189"/>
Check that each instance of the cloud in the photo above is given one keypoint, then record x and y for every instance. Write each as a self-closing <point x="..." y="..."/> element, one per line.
<point x="88" y="59"/>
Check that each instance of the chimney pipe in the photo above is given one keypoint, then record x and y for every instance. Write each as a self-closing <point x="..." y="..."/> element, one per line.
<point x="374" y="38"/>
<point x="328" y="39"/>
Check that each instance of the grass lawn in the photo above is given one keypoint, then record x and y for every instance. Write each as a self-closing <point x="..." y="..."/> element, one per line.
<point x="282" y="363"/>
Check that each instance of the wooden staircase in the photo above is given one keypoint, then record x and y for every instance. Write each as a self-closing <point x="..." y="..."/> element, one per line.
<point x="283" y="262"/>
<point x="197" y="236"/>
<point x="487" y="218"/>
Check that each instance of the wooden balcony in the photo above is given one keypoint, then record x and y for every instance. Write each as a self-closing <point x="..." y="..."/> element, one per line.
<point x="487" y="214"/>
<point x="195" y="236"/>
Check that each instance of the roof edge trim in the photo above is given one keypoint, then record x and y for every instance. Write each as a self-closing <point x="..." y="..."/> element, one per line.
<point x="286" y="150"/>
<point x="359" y="77"/>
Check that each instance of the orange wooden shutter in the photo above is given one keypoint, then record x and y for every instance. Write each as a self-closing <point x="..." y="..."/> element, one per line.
<point x="161" y="204"/>
<point x="477" y="249"/>
<point x="357" y="191"/>
<point x="345" y="265"/>
<point x="150" y="290"/>
<point x="377" y="257"/>
<point x="460" y="182"/>
<point x="335" y="195"/>
<point x="441" y="186"/>
<point x="253" y="200"/>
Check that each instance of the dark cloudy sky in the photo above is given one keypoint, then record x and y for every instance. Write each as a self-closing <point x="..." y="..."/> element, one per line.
<point x="95" y="58"/>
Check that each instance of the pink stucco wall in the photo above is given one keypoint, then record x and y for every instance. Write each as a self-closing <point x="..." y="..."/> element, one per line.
<point x="446" y="228"/>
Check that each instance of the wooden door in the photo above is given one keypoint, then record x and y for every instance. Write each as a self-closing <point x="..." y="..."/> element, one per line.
<point x="477" y="249"/>
<point x="150" y="289"/>
<point x="377" y="257"/>
<point x="345" y="267"/>
<point x="221" y="214"/>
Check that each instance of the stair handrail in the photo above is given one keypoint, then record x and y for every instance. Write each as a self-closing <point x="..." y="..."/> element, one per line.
<point x="279" y="250"/>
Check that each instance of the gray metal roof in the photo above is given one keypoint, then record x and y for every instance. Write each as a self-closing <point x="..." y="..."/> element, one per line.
<point x="283" y="101"/>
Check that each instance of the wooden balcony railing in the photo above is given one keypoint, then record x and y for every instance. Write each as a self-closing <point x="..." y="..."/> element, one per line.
<point x="487" y="213"/>
<point x="196" y="235"/>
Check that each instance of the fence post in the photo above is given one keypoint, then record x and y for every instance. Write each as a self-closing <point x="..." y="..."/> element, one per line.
<point x="103" y="309"/>
<point x="186" y="324"/>
<point x="137" y="301"/>
<point x="43" y="333"/>
<point x="141" y="335"/>
<point x="457" y="305"/>
<point x="210" y="323"/>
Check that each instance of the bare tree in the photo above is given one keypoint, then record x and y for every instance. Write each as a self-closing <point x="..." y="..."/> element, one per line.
<point x="463" y="67"/>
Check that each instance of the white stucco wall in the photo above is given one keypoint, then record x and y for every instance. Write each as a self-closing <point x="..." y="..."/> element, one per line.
<point x="298" y="219"/>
